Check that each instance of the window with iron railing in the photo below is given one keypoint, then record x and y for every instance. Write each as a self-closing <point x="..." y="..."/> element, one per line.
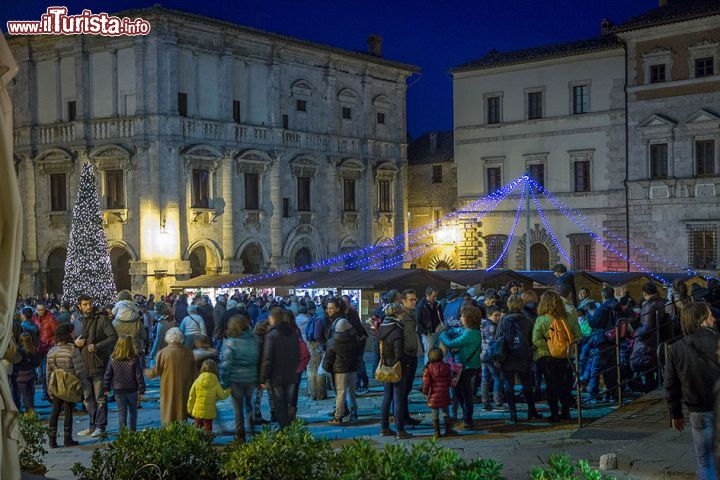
<point x="703" y="247"/>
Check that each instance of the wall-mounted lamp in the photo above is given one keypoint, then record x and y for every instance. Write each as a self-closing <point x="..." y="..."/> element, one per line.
<point x="163" y="221"/>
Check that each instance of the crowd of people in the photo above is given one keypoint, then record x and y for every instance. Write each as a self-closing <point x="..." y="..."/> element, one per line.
<point x="474" y="346"/>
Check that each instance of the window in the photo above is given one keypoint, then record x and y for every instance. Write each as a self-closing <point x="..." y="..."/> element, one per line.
<point x="71" y="111"/>
<point x="381" y="118"/>
<point x="535" y="109"/>
<point x="349" y="195"/>
<point x="581" y="99"/>
<point x="658" y="160"/>
<point x="582" y="176"/>
<point x="236" y="111"/>
<point x="495" y="245"/>
<point x="286" y="207"/>
<point x="252" y="191"/>
<point x="58" y="193"/>
<point x="703" y="247"/>
<point x="182" y="104"/>
<point x="537" y="173"/>
<point x="437" y="174"/>
<point x="201" y="189"/>
<point x="704" y="67"/>
<point x="303" y="194"/>
<point x="582" y="249"/>
<point x="493" y="110"/>
<point x="704" y="157"/>
<point x="346" y="113"/>
<point x="115" y="189"/>
<point x="384" y="195"/>
<point x="494" y="179"/>
<point x="657" y="73"/>
<point x="301" y="106"/>
<point x="285" y="122"/>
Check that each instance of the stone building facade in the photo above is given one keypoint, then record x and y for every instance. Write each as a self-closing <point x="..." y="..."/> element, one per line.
<point x="641" y="162"/>
<point x="218" y="148"/>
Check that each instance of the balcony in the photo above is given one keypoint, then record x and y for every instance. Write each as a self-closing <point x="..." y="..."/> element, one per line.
<point x="57" y="133"/>
<point x="106" y="128"/>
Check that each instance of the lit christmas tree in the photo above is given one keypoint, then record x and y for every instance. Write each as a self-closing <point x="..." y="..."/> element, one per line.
<point x="88" y="269"/>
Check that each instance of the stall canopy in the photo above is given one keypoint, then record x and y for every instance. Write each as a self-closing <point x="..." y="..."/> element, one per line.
<point x="491" y="279"/>
<point x="207" y="281"/>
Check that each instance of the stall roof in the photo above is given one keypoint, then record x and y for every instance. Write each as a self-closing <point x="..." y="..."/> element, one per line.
<point x="207" y="281"/>
<point x="469" y="278"/>
<point x="615" y="279"/>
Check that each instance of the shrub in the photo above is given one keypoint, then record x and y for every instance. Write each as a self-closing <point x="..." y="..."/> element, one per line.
<point x="291" y="454"/>
<point x="423" y="461"/>
<point x="561" y="467"/>
<point x="35" y="435"/>
<point x="176" y="451"/>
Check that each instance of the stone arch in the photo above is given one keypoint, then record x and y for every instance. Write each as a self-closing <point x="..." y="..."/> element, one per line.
<point x="304" y="236"/>
<point x="254" y="154"/>
<point x="442" y="263"/>
<point x="112" y="243"/>
<point x="201" y="151"/>
<point x="385" y="251"/>
<point x="302" y="258"/>
<point x="348" y="95"/>
<point x="54" y="154"/>
<point x="205" y="257"/>
<point x="301" y="87"/>
<point x="348" y="245"/>
<point x="253" y="255"/>
<point x="121" y="254"/>
<point x="382" y="101"/>
<point x="55" y="269"/>
<point x="109" y="150"/>
<point x="539" y="235"/>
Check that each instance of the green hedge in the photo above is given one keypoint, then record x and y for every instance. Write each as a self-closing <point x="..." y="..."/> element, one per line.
<point x="181" y="451"/>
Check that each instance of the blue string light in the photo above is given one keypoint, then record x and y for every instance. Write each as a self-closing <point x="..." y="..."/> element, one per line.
<point x="547" y="227"/>
<point x="512" y="232"/>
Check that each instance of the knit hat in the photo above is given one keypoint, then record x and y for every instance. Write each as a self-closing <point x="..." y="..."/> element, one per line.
<point x="342" y="325"/>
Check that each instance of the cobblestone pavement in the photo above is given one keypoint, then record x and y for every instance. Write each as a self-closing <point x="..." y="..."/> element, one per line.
<point x="516" y="446"/>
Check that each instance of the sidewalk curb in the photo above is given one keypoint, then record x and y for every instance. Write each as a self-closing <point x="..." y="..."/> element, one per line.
<point x="643" y="469"/>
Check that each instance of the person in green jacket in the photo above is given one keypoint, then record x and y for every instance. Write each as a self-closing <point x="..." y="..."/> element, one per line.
<point x="469" y="344"/>
<point x="557" y="371"/>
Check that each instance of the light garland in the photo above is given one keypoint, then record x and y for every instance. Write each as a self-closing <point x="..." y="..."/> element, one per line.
<point x="547" y="227"/>
<point x="88" y="269"/>
<point x="512" y="232"/>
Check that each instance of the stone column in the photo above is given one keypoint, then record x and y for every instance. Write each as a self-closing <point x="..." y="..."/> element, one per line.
<point x="332" y="204"/>
<point x="143" y="80"/>
<point x="31" y="264"/>
<point x="115" y="93"/>
<point x="228" y="217"/>
<point x="225" y="86"/>
<point x="276" y="237"/>
<point x="58" y="90"/>
<point x="83" y="89"/>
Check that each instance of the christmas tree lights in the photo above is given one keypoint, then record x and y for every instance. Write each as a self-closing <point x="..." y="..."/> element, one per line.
<point x="87" y="268"/>
<point x="547" y="226"/>
<point x="512" y="232"/>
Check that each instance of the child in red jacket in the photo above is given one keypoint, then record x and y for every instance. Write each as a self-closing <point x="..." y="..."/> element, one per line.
<point x="437" y="378"/>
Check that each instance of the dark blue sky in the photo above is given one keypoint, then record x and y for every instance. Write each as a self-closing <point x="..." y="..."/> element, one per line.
<point x="434" y="35"/>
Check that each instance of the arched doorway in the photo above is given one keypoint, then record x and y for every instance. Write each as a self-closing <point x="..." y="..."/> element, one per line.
<point x="201" y="261"/>
<point x="56" y="270"/>
<point x="442" y="265"/>
<point x="252" y="259"/>
<point x="539" y="257"/>
<point x="303" y="258"/>
<point x="120" y="261"/>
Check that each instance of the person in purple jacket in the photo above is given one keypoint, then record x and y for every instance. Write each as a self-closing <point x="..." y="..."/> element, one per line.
<point x="124" y="375"/>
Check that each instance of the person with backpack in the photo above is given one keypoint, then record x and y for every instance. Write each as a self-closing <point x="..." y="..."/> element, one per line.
<point x="552" y="337"/>
<point x="602" y="357"/>
<point x="515" y="332"/>
<point x="192" y="325"/>
<point x="317" y="384"/>
<point x="691" y="372"/>
<point x="469" y="345"/>
<point x="491" y="373"/>
<point x="127" y="320"/>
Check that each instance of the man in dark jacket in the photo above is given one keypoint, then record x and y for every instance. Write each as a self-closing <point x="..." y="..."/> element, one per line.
<point x="218" y="313"/>
<point x="429" y="316"/>
<point x="564" y="276"/>
<point x="280" y="359"/>
<point x="392" y="338"/>
<point x="602" y="353"/>
<point x="691" y="372"/>
<point x="644" y="353"/>
<point x="96" y="344"/>
<point x="411" y="345"/>
<point x="362" y="380"/>
<point x="342" y="358"/>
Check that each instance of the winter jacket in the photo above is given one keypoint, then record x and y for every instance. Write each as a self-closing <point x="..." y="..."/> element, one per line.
<point x="568" y="278"/>
<point x="644" y="352"/>
<point x="516" y="329"/>
<point x="451" y="312"/>
<point x="65" y="356"/>
<point x="180" y="309"/>
<point x="202" y="354"/>
<point x="354" y="318"/>
<point x="301" y="320"/>
<point x="280" y="357"/>
<point x="128" y="322"/>
<point x="392" y="337"/>
<point x="204" y="394"/>
<point x="241" y="356"/>
<point x="469" y="345"/>
<point x="429" y="316"/>
<point x="161" y="328"/>
<point x="411" y="343"/>
<point x="304" y="354"/>
<point x="46" y="325"/>
<point x="124" y="376"/>
<point x="436" y="384"/>
<point x="691" y="372"/>
<point x="98" y="331"/>
<point x="530" y="311"/>
<point x="343" y="353"/>
<point x="218" y="313"/>
<point x="603" y="319"/>
<point x="540" y="334"/>
<point x="193" y="325"/>
<point x="32" y="330"/>
<point x="25" y="368"/>
<point x="487" y="328"/>
<point x="64" y="317"/>
<point x="207" y="313"/>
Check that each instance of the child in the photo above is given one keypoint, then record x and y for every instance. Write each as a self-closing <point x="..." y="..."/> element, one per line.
<point x="124" y="374"/>
<point x="491" y="374"/>
<point x="436" y="385"/>
<point x="25" y="370"/>
<point x="204" y="393"/>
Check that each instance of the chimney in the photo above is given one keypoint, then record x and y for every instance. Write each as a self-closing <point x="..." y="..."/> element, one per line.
<point x="433" y="142"/>
<point x="375" y="45"/>
<point x="605" y="26"/>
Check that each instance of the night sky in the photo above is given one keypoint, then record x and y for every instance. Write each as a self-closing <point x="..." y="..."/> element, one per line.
<point x="434" y="35"/>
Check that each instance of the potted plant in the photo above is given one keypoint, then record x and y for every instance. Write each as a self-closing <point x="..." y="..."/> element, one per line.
<point x="35" y="435"/>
